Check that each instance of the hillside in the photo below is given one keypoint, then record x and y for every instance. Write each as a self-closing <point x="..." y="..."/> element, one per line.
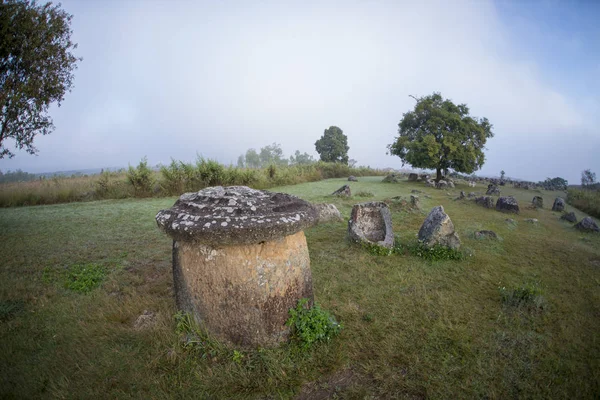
<point x="412" y="328"/>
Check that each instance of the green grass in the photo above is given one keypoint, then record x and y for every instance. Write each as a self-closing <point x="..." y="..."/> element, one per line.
<point x="412" y="327"/>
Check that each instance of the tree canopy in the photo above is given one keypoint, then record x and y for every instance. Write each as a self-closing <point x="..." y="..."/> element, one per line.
<point x="588" y="178"/>
<point x="333" y="145"/>
<point x="36" y="69"/>
<point x="440" y="135"/>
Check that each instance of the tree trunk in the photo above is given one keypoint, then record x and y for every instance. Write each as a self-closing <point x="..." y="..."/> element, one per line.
<point x="438" y="174"/>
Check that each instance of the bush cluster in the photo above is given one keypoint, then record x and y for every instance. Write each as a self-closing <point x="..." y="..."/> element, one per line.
<point x="170" y="180"/>
<point x="587" y="201"/>
<point x="311" y="324"/>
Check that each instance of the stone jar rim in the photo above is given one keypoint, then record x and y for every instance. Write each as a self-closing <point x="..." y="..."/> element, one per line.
<point x="235" y="215"/>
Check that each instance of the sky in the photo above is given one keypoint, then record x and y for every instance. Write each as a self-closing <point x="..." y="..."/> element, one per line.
<point x="178" y="79"/>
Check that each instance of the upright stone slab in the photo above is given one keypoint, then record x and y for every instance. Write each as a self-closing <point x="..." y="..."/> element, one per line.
<point x="507" y="204"/>
<point x="344" y="191"/>
<point x="240" y="260"/>
<point x="538" y="202"/>
<point x="438" y="229"/>
<point x="559" y="204"/>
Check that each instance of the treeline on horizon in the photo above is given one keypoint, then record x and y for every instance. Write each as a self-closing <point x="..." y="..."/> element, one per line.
<point x="168" y="180"/>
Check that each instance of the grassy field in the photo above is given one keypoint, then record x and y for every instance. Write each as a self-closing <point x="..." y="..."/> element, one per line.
<point x="411" y="328"/>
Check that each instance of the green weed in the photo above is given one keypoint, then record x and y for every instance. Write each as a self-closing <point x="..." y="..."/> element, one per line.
<point x="311" y="324"/>
<point x="84" y="278"/>
<point x="528" y="294"/>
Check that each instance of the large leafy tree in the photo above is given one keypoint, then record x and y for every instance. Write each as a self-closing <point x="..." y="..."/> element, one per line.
<point x="36" y="69"/>
<point x="333" y="145"/>
<point x="440" y="135"/>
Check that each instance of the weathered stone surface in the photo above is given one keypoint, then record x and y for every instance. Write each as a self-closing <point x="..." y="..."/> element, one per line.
<point x="438" y="229"/>
<point x="327" y="213"/>
<point x="538" y="202"/>
<point x="222" y="216"/>
<point x="510" y="221"/>
<point x="486" y="235"/>
<point x="587" y="225"/>
<point x="392" y="178"/>
<point x="531" y="220"/>
<point x="352" y="178"/>
<point x="415" y="191"/>
<point x="242" y="294"/>
<point x="371" y="223"/>
<point x="472" y="194"/>
<point x="571" y="217"/>
<point x="451" y="184"/>
<point x="424" y="177"/>
<point x="441" y="185"/>
<point x="559" y="204"/>
<point x="486" y="201"/>
<point x="430" y="183"/>
<point x="344" y="191"/>
<point x="413" y="177"/>
<point x="462" y="195"/>
<point x="493" y="190"/>
<point x="507" y="204"/>
<point x="414" y="201"/>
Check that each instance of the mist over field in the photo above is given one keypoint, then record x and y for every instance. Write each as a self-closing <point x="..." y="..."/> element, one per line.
<point x="177" y="79"/>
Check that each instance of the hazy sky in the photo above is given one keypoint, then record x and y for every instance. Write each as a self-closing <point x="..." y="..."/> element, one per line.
<point x="174" y="79"/>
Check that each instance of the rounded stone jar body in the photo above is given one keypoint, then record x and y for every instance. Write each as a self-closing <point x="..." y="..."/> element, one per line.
<point x="242" y="293"/>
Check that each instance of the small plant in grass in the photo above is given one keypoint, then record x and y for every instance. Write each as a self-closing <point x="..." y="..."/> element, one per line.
<point x="311" y="324"/>
<point x="197" y="340"/>
<point x="10" y="308"/>
<point x="526" y="295"/>
<point x="364" y="193"/>
<point x="376" y="250"/>
<point x="433" y="253"/>
<point x="237" y="357"/>
<point x="83" y="278"/>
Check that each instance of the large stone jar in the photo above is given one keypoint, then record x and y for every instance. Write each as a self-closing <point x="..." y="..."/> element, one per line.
<point x="240" y="260"/>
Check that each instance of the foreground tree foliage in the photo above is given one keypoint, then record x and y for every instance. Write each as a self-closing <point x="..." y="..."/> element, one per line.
<point x="440" y="135"/>
<point x="36" y="69"/>
<point x="333" y="145"/>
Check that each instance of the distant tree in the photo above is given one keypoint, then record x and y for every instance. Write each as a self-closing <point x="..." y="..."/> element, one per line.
<point x="352" y="163"/>
<point x="440" y="135"/>
<point x="36" y="69"/>
<point x="301" y="158"/>
<point x="333" y="145"/>
<point x="241" y="162"/>
<point x="272" y="155"/>
<point x="252" y="159"/>
<point x="588" y="178"/>
<point x="502" y="173"/>
<point x="557" y="183"/>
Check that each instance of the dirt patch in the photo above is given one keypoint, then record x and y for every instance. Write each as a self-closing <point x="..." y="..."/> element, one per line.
<point x="328" y="386"/>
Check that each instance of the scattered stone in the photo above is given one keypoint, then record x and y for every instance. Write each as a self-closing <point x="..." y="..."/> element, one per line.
<point x="493" y="190"/>
<point x="461" y="195"/>
<point x="145" y="321"/>
<point x="571" y="217"/>
<point x="240" y="261"/>
<point x="587" y="225"/>
<point x="392" y="178"/>
<point x="439" y="229"/>
<point x="413" y="177"/>
<point x="371" y="223"/>
<point x="424" y="177"/>
<point x="327" y="213"/>
<point x="538" y="202"/>
<point x="507" y="204"/>
<point x="486" y="235"/>
<point x="430" y="183"/>
<point x="472" y="194"/>
<point x="414" y="201"/>
<point x="531" y="220"/>
<point x="451" y="184"/>
<point x="344" y="191"/>
<point x="486" y="201"/>
<point x="416" y="191"/>
<point x="352" y="178"/>
<point x="441" y="185"/>
<point x="559" y="204"/>
<point x="510" y="221"/>
<point x="427" y="196"/>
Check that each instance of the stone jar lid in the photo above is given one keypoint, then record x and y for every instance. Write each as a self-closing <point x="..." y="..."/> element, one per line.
<point x="233" y="215"/>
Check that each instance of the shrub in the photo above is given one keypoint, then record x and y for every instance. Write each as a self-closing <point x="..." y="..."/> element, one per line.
<point x="587" y="201"/>
<point x="311" y="324"/>
<point x="433" y="253"/>
<point x="141" y="179"/>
